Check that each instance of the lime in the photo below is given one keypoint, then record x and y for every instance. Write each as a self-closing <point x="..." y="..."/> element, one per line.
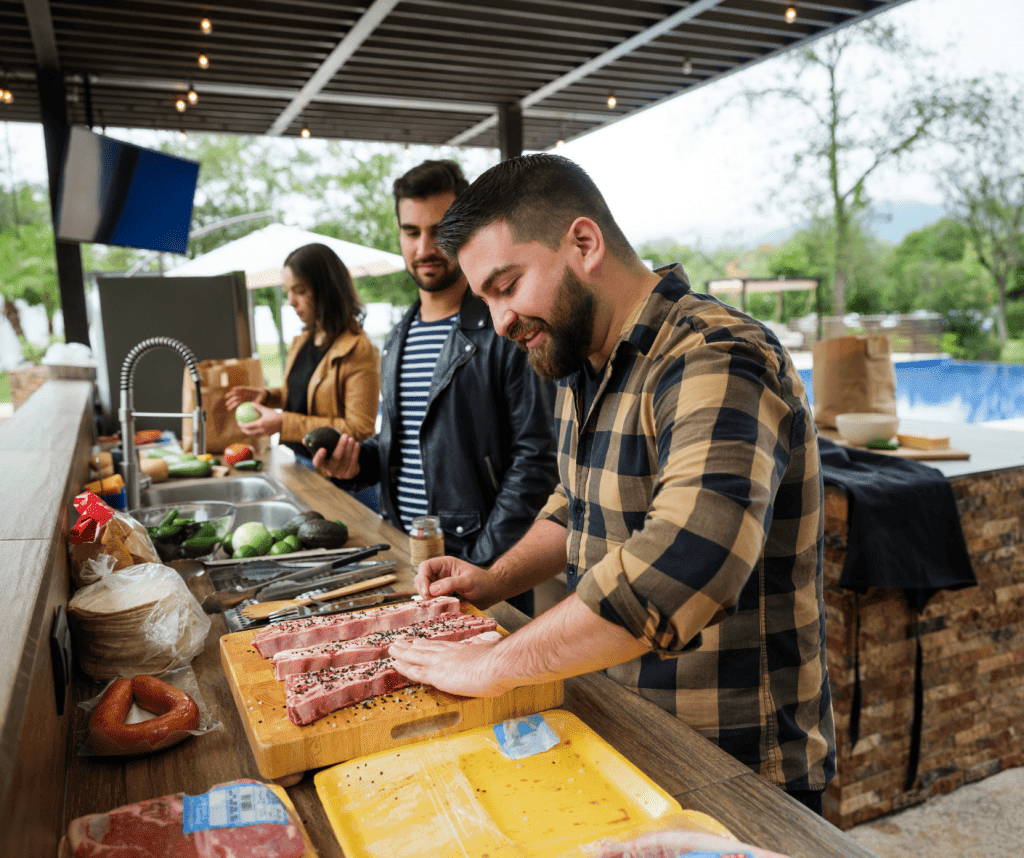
<point x="246" y="551"/>
<point x="281" y="547"/>
<point x="292" y="541"/>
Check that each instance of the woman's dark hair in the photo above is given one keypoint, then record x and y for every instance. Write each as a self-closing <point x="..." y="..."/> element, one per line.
<point x="538" y="196"/>
<point x="428" y="179"/>
<point x="338" y="307"/>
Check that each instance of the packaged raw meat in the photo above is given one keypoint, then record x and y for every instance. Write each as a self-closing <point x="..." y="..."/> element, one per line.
<point x="240" y="818"/>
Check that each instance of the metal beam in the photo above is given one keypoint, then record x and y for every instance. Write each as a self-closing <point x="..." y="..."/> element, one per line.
<point x="360" y="31"/>
<point x="609" y="56"/>
<point x="44" y="38"/>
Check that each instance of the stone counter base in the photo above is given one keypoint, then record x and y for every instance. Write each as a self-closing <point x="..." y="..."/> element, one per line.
<point x="972" y="644"/>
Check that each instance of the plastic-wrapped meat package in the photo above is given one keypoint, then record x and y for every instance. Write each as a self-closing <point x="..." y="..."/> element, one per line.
<point x="240" y="818"/>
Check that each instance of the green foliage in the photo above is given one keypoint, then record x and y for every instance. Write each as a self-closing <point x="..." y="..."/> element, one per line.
<point x="966" y="338"/>
<point x="1013" y="351"/>
<point x="1015" y="318"/>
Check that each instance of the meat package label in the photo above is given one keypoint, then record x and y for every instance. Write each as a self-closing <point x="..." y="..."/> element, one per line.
<point x="232" y="807"/>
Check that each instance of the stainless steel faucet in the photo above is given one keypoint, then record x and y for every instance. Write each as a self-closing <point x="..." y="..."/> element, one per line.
<point x="127" y="413"/>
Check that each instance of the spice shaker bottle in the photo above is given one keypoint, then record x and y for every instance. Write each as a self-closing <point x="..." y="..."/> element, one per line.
<point x="426" y="539"/>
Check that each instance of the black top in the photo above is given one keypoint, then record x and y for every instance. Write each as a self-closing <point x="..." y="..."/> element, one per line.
<point x="306" y="361"/>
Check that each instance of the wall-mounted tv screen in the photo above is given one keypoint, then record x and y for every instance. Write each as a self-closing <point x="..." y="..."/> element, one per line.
<point x="114" y="192"/>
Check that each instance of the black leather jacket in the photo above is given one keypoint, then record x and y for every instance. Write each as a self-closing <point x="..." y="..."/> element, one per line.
<point x="487" y="440"/>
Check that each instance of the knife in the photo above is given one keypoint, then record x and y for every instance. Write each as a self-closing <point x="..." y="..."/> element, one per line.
<point x="219" y="601"/>
<point x="356" y="603"/>
<point x="358" y="572"/>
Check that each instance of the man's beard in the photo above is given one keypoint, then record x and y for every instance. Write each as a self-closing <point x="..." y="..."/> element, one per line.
<point x="445" y="281"/>
<point x="569" y="333"/>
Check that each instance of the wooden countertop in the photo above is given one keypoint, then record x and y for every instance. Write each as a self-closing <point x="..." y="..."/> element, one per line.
<point x="697" y="773"/>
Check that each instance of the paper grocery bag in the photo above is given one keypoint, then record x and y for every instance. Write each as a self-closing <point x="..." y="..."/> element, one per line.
<point x="852" y="375"/>
<point x="217" y="377"/>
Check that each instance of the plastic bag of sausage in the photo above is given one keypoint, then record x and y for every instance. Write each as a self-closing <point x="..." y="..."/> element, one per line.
<point x="144" y="714"/>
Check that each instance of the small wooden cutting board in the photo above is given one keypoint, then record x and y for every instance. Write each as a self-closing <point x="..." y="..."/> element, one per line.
<point x="283" y="751"/>
<point x="945" y="453"/>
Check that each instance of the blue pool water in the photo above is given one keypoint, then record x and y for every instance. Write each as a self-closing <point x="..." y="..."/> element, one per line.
<point x="955" y="391"/>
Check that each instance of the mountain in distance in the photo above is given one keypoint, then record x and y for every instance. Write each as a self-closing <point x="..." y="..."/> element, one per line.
<point x="892" y="221"/>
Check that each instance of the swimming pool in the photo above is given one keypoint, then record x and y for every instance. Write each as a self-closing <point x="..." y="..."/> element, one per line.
<point x="954" y="391"/>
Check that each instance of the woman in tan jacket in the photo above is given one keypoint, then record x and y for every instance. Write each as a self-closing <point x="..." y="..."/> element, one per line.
<point x="332" y="374"/>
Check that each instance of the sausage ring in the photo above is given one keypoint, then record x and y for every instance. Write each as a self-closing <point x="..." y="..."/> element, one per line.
<point x="176" y="713"/>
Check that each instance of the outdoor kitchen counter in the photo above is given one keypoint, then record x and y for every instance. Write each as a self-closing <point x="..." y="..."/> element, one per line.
<point x="49" y="784"/>
<point x="698" y="774"/>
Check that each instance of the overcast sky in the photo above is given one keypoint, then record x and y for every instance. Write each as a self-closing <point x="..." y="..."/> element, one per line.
<point x="697" y="172"/>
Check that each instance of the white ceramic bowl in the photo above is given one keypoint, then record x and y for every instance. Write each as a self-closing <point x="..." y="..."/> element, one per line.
<point x="861" y="428"/>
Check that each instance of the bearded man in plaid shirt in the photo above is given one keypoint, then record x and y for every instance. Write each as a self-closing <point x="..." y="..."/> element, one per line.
<point x="688" y="518"/>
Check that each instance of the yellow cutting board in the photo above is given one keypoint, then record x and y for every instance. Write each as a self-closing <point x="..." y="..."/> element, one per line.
<point x="282" y="749"/>
<point x="461" y="796"/>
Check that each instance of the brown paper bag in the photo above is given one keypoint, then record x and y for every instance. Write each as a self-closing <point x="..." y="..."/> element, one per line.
<point x="217" y="377"/>
<point x="852" y="374"/>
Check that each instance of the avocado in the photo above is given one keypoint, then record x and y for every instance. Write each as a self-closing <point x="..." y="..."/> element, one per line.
<point x="292" y="525"/>
<point x="323" y="534"/>
<point x="323" y="436"/>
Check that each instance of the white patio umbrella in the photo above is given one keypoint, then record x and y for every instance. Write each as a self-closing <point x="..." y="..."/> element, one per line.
<point x="262" y="253"/>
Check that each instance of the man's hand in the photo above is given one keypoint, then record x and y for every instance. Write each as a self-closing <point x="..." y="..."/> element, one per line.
<point x="456" y="667"/>
<point x="343" y="463"/>
<point x="449" y="576"/>
<point x="668" y="844"/>
<point x="237" y="395"/>
<point x="269" y="422"/>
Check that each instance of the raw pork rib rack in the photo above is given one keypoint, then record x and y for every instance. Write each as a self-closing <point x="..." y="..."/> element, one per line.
<point x="310" y="631"/>
<point x="447" y="627"/>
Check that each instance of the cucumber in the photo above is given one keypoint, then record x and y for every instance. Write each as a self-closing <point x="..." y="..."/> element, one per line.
<point x="189" y="468"/>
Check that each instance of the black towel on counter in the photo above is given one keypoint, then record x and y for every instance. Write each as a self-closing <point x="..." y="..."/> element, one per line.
<point x="903" y="531"/>
<point x="904" y="527"/>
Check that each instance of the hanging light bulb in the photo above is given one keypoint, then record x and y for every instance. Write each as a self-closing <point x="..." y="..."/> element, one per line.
<point x="612" y="101"/>
<point x="6" y="96"/>
<point x="182" y="136"/>
<point x="193" y="96"/>
<point x="206" y="26"/>
<point x="204" y="61"/>
<point x="406" y="154"/>
<point x="304" y="132"/>
<point x="180" y="105"/>
<point x="687" y="66"/>
<point x="790" y="14"/>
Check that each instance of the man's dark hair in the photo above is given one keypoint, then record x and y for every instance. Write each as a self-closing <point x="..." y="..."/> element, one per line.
<point x="338" y="307"/>
<point x="429" y="179"/>
<point x="538" y="196"/>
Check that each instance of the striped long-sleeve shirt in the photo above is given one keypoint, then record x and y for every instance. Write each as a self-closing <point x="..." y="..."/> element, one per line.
<point x="692" y="499"/>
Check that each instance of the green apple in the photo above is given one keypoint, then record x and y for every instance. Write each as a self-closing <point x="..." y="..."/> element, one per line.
<point x="246" y="413"/>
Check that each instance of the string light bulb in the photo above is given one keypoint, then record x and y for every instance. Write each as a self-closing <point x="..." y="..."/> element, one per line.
<point x="180" y="105"/>
<point x="559" y="143"/>
<point x="6" y="96"/>
<point x="182" y="135"/>
<point x="204" y="61"/>
<point x="305" y="132"/>
<point x="687" y="66"/>
<point x="206" y="26"/>
<point x="193" y="96"/>
<point x="612" y="101"/>
<point x="406" y="154"/>
<point x="790" y="14"/>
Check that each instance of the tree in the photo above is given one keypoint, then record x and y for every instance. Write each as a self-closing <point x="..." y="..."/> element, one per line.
<point x="849" y="128"/>
<point x="985" y="186"/>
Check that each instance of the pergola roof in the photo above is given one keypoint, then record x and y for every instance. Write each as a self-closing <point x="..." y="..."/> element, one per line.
<point x="410" y="71"/>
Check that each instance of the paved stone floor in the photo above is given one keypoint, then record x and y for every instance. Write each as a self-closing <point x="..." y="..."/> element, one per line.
<point x="984" y="819"/>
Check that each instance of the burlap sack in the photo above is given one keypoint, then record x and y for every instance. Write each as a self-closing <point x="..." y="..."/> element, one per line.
<point x="852" y="375"/>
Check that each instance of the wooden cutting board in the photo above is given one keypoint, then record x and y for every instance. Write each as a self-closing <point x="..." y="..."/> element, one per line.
<point x="283" y="751"/>
<point x="945" y="453"/>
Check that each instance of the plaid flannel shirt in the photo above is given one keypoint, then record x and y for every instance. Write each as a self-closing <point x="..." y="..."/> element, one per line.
<point x="692" y="500"/>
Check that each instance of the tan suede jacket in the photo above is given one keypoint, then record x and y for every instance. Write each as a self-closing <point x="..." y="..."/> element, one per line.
<point x="343" y="392"/>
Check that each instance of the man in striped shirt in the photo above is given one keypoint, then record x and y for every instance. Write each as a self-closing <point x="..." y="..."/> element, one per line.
<point x="688" y="518"/>
<point x="466" y="427"/>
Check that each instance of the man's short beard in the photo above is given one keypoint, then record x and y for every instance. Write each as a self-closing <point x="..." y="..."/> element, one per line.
<point x="570" y="331"/>
<point x="445" y="282"/>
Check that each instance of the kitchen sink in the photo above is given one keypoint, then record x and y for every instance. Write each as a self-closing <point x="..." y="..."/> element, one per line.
<point x="236" y="490"/>
<point x="256" y="497"/>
